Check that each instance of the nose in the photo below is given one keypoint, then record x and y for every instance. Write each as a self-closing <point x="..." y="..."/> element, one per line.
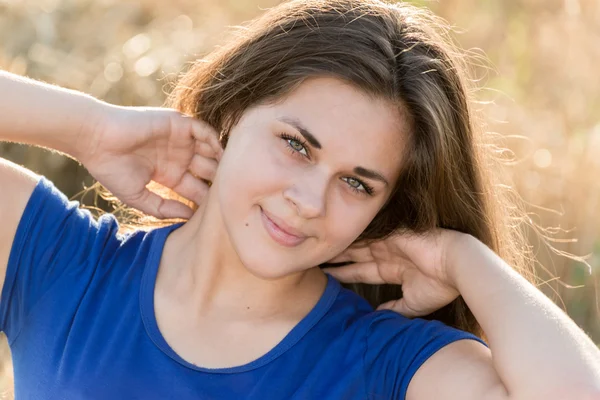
<point x="308" y="196"/>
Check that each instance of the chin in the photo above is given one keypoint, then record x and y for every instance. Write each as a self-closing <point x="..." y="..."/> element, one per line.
<point x="268" y="274"/>
<point x="266" y="263"/>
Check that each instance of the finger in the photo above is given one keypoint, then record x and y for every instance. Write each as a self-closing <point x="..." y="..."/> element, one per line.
<point x="359" y="255"/>
<point x="203" y="132"/>
<point x="342" y="257"/>
<point x="202" y="167"/>
<point x="192" y="188"/>
<point x="367" y="272"/>
<point x="360" y="245"/>
<point x="400" y="307"/>
<point x="389" y="305"/>
<point x="206" y="150"/>
<point x="152" y="204"/>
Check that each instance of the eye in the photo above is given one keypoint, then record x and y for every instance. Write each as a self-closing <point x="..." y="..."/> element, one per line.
<point x="356" y="184"/>
<point x="296" y="144"/>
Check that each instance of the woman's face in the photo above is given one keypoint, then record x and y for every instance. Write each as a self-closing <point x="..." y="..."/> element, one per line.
<point x="320" y="164"/>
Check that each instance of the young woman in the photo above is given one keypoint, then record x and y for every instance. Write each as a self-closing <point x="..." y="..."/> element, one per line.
<point x="348" y="138"/>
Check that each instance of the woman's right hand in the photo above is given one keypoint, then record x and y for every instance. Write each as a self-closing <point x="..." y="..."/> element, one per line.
<point x="125" y="148"/>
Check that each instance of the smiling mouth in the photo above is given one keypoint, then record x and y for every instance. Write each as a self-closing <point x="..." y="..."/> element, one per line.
<point x="278" y="234"/>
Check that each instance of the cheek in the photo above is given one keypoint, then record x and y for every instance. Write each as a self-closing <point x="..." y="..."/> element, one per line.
<point x="249" y="172"/>
<point x="257" y="168"/>
<point x="344" y="225"/>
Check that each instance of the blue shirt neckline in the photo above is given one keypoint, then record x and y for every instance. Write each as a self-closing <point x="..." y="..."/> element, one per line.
<point x="158" y="238"/>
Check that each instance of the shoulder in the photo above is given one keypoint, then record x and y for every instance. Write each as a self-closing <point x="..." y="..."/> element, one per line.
<point x="400" y="357"/>
<point x="60" y="253"/>
<point x="396" y="347"/>
<point x="55" y="230"/>
<point x="391" y="326"/>
<point x="461" y="370"/>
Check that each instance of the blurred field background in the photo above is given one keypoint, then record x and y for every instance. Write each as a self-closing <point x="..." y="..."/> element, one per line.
<point x="542" y="84"/>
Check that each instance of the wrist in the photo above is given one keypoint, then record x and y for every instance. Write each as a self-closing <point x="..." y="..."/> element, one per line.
<point x="95" y="116"/>
<point x="459" y="256"/>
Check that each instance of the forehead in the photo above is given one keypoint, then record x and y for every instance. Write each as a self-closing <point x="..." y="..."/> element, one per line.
<point x="348" y="123"/>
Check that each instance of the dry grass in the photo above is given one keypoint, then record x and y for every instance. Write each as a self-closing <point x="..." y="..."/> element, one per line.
<point x="543" y="83"/>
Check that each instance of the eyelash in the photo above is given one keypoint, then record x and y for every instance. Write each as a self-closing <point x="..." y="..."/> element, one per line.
<point x="368" y="189"/>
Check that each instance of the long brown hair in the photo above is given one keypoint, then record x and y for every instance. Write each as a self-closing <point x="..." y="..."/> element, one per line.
<point x="397" y="52"/>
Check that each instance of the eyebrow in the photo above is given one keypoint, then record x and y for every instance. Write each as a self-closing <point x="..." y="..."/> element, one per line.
<point x="367" y="173"/>
<point x="310" y="138"/>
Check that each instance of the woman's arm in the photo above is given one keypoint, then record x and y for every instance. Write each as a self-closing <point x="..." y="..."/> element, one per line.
<point x="125" y="148"/>
<point x="536" y="348"/>
<point x="44" y="115"/>
<point x="40" y="114"/>
<point x="536" y="352"/>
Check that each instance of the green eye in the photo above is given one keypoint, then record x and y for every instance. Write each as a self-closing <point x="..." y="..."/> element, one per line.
<point x="354" y="183"/>
<point x="296" y="145"/>
<point x="358" y="186"/>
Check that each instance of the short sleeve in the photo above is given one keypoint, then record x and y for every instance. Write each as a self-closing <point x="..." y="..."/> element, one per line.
<point x="54" y="238"/>
<point x="397" y="346"/>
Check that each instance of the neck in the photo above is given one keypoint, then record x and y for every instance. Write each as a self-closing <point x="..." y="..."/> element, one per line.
<point x="201" y="269"/>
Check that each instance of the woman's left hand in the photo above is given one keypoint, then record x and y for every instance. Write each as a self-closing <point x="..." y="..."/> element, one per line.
<point x="417" y="262"/>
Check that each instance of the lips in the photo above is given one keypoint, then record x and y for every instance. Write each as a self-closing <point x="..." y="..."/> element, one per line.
<point x="280" y="232"/>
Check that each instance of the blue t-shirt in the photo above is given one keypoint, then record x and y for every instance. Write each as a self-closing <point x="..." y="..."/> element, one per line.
<point x="77" y="308"/>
